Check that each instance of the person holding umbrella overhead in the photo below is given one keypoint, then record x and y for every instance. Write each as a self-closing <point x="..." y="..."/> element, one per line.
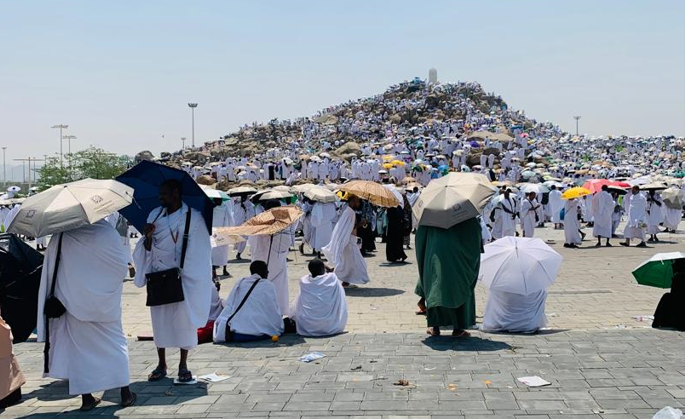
<point x="665" y="270"/>
<point x="174" y="262"/>
<point x="448" y="248"/>
<point x="669" y="312"/>
<point x="79" y="299"/>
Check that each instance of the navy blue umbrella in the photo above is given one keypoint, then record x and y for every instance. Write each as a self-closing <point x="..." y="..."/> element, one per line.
<point x="145" y="179"/>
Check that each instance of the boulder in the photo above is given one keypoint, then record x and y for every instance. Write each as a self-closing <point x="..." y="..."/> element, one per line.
<point x="206" y="180"/>
<point x="145" y="155"/>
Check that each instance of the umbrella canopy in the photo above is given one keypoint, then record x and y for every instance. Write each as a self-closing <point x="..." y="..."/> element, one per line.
<point x="576" y="192"/>
<point x="674" y="198"/>
<point x="538" y="188"/>
<point x="302" y="188"/>
<point x="372" y="192"/>
<point x="519" y="265"/>
<point x="216" y="194"/>
<point x="242" y="190"/>
<point x="654" y="186"/>
<point x="320" y="194"/>
<point x="267" y="223"/>
<point x="657" y="271"/>
<point x="69" y="206"/>
<point x="618" y="190"/>
<point x="274" y="194"/>
<point x="452" y="199"/>
<point x="20" y="270"/>
<point x="146" y="177"/>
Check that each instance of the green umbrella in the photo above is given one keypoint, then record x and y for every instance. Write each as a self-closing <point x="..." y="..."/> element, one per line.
<point x="658" y="270"/>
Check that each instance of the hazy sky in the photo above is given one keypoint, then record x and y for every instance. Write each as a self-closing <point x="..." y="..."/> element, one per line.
<point x="120" y="73"/>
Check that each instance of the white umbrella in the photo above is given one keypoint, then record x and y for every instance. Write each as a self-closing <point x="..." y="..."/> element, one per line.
<point x="398" y="194"/>
<point x="69" y="206"/>
<point x="274" y="194"/>
<point x="321" y="194"/>
<point x="519" y="265"/>
<point x="534" y="187"/>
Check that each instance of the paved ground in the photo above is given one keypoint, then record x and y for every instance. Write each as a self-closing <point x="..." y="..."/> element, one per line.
<point x="610" y="374"/>
<point x="601" y="361"/>
<point x="594" y="290"/>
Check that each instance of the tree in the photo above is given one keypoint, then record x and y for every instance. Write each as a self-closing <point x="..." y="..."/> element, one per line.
<point x="93" y="162"/>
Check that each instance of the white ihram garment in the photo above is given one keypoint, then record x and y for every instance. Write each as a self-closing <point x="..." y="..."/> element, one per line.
<point x="571" y="223"/>
<point x="259" y="315"/>
<point x="555" y="205"/>
<point x="343" y="251"/>
<point x="242" y="211"/>
<point x="515" y="313"/>
<point x="320" y="309"/>
<point x="603" y="211"/>
<point x="321" y="221"/>
<point x="672" y="218"/>
<point x="655" y="215"/>
<point x="637" y="214"/>
<point x="505" y="222"/>
<point x="87" y="343"/>
<point x="528" y="217"/>
<point x="222" y="218"/>
<point x="175" y="325"/>
<point x="275" y="251"/>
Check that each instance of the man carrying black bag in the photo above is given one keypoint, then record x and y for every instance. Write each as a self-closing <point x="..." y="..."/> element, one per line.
<point x="174" y="263"/>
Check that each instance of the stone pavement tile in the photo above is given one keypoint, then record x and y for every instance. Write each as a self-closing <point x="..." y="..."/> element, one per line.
<point x="307" y="406"/>
<point x="542" y="405"/>
<point x="194" y="409"/>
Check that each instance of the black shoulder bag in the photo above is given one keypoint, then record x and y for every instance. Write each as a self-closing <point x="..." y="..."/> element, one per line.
<point x="229" y="334"/>
<point x="52" y="308"/>
<point x="166" y="287"/>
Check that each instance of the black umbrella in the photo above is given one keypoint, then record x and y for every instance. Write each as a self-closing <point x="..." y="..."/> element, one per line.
<point x="20" y="269"/>
<point x="145" y="179"/>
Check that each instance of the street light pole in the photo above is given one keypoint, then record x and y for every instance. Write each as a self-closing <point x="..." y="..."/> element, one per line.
<point x="577" y="118"/>
<point x="183" y="143"/>
<point x="192" y="107"/>
<point x="4" y="167"/>
<point x="69" y="138"/>
<point x="61" y="127"/>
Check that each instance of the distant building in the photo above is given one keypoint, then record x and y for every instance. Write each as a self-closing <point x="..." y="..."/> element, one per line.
<point x="432" y="76"/>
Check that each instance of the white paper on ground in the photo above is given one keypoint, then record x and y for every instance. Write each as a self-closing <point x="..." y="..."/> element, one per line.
<point x="534" y="381"/>
<point x="214" y="377"/>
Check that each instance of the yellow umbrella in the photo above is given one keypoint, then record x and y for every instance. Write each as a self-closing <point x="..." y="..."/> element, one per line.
<point x="397" y="163"/>
<point x="576" y="192"/>
<point x="387" y="157"/>
<point x="387" y="166"/>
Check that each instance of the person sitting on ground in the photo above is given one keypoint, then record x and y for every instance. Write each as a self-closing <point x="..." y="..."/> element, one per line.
<point x="669" y="312"/>
<point x="250" y="317"/>
<point x="321" y="308"/>
<point x="514" y="313"/>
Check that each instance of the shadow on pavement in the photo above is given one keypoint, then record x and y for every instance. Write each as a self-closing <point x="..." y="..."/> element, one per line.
<point x="473" y="344"/>
<point x="372" y="292"/>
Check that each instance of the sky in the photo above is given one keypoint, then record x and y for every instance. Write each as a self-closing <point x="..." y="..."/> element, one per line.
<point x="120" y="74"/>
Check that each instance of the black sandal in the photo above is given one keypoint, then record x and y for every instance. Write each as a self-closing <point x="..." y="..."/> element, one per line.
<point x="131" y="401"/>
<point x="156" y="375"/>
<point x="185" y="376"/>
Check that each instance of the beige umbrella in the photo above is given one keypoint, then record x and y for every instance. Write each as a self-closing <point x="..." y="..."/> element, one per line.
<point x="453" y="199"/>
<point x="372" y="192"/>
<point x="302" y="188"/>
<point x="274" y="194"/>
<point x="69" y="206"/>
<point x="267" y="223"/>
<point x="673" y="198"/>
<point x="242" y="190"/>
<point x="320" y="194"/>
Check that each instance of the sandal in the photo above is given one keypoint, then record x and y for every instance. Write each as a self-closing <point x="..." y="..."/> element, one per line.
<point x="461" y="334"/>
<point x="156" y="375"/>
<point x="433" y="331"/>
<point x="185" y="376"/>
<point x="89" y="407"/>
<point x="131" y="401"/>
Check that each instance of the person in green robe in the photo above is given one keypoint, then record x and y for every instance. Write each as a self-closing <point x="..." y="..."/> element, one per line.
<point x="449" y="262"/>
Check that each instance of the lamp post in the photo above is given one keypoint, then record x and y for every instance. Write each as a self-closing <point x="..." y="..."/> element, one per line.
<point x="577" y="118"/>
<point x="192" y="107"/>
<point x="4" y="167"/>
<point x="61" y="137"/>
<point x="183" y="143"/>
<point x="69" y="138"/>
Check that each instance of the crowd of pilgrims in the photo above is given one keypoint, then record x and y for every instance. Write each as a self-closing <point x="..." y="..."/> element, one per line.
<point x="89" y="347"/>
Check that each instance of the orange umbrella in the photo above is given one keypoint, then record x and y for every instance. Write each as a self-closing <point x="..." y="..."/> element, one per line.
<point x="267" y="223"/>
